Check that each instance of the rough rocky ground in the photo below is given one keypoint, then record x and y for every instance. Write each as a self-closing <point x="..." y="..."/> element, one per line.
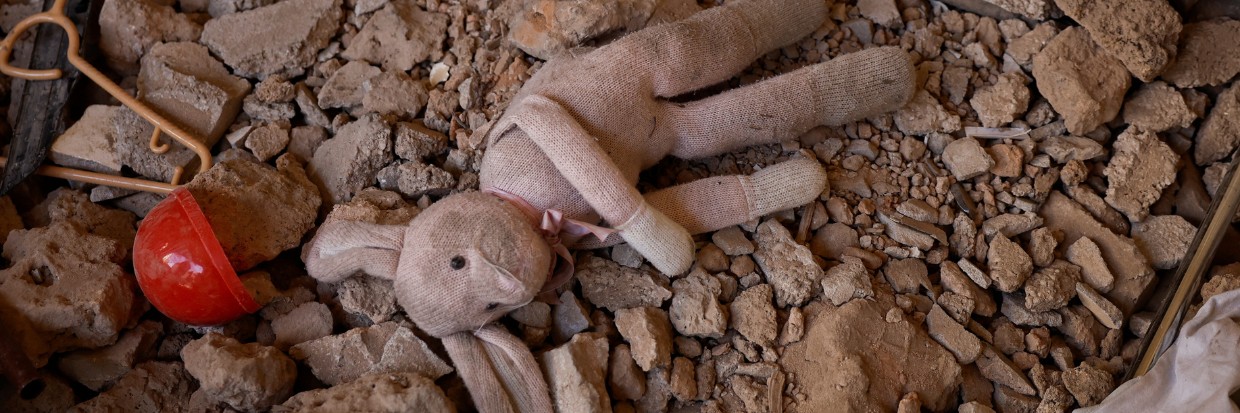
<point x="992" y="246"/>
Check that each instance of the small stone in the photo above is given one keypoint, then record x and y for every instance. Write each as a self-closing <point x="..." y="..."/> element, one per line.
<point x="369" y="298"/>
<point x="267" y="141"/>
<point x="794" y="327"/>
<point x="88" y="144"/>
<point x="682" y="380"/>
<point x="1085" y="253"/>
<point x="348" y="162"/>
<point x="153" y="386"/>
<point x="753" y="315"/>
<point x="416" y="142"/>
<point x="789" y="267"/>
<point x="99" y="368"/>
<point x="1090" y="82"/>
<point x="1209" y="54"/>
<point x="1009" y="160"/>
<point x="1010" y="225"/>
<point x="416" y="179"/>
<point x="607" y="284"/>
<point x="1042" y="244"/>
<point x="625" y="380"/>
<point x="1024" y="48"/>
<point x="712" y="259"/>
<point x="953" y="336"/>
<point x="393" y="93"/>
<point x="1081" y="329"/>
<point x="238" y="196"/>
<point x="569" y="318"/>
<point x="924" y="115"/>
<point x="912" y="149"/>
<point x="1002" y="102"/>
<point x="304" y="140"/>
<point x="954" y="280"/>
<point x="966" y="158"/>
<point x="846" y="281"/>
<point x="979" y="277"/>
<point x="1164" y="239"/>
<point x="695" y="309"/>
<point x="398" y="37"/>
<point x="1107" y="313"/>
<point x="247" y="377"/>
<point x="254" y="47"/>
<point x="649" y="333"/>
<point x="1049" y="288"/>
<point x="882" y="12"/>
<point x="1009" y="265"/>
<point x="1140" y="33"/>
<point x="576" y="373"/>
<point x="1220" y="133"/>
<point x="128" y="29"/>
<point x="831" y="240"/>
<point x="907" y="275"/>
<point x="379" y="392"/>
<point x="732" y="241"/>
<point x="1013" y="307"/>
<point x="918" y="210"/>
<point x="382" y="348"/>
<point x="999" y="369"/>
<point x="1088" y="384"/>
<point x="1142" y="166"/>
<point x="1007" y="337"/>
<point x="1157" y="107"/>
<point x="1071" y="148"/>
<point x="309" y="321"/>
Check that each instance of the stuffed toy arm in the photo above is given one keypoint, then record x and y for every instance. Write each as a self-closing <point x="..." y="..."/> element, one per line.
<point x="580" y="159"/>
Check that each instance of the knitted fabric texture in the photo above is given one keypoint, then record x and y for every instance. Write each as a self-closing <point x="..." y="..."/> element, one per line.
<point x="575" y="139"/>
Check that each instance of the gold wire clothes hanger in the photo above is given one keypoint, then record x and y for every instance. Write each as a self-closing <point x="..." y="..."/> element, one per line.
<point x="56" y="15"/>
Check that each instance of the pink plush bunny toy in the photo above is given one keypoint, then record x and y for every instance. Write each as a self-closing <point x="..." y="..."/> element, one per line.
<point x="567" y="154"/>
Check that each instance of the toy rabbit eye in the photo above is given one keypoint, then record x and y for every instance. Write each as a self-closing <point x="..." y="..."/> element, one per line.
<point x="457" y="262"/>
<point x="492" y="306"/>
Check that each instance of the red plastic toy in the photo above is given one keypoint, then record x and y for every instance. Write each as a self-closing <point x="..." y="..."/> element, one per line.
<point x="183" y="270"/>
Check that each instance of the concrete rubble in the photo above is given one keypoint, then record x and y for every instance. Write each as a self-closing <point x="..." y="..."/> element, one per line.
<point x="1090" y="83"/>
<point x="379" y="392"/>
<point x="576" y="374"/>
<point x="254" y="48"/>
<point x="130" y="28"/>
<point x="246" y="377"/>
<point x="345" y="357"/>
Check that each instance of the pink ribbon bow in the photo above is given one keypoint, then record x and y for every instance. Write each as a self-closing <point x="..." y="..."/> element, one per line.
<point x="555" y="229"/>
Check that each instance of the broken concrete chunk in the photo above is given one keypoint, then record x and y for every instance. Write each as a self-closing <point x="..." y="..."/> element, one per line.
<point x="1071" y="148"/>
<point x="74" y="207"/>
<point x="99" y="368"/>
<point x="924" y="115"/>
<point x="624" y="378"/>
<point x="1003" y="102"/>
<point x="753" y="315"/>
<point x="256" y="211"/>
<point x="1142" y="166"/>
<point x="1164" y="239"/>
<point x="979" y="277"/>
<point x="954" y="280"/>
<point x="682" y="382"/>
<point x="1033" y="9"/>
<point x="379" y="392"/>
<point x="398" y="37"/>
<point x="344" y="88"/>
<point x="348" y="162"/>
<point x="907" y="275"/>
<point x="846" y="281"/>
<point x="1102" y="308"/>
<point x="309" y="321"/>
<point x="1050" y="288"/>
<point x="789" y="267"/>
<point x="416" y="142"/>
<point x="1220" y="133"/>
<point x="1209" y="54"/>
<point x="732" y="241"/>
<point x="1042" y="244"/>
<point x="569" y="318"/>
<point x="386" y="347"/>
<point x="1011" y="225"/>
<point x="953" y="336"/>
<point x="1157" y="107"/>
<point x="999" y="369"/>
<point x="129" y="28"/>
<point x="64" y="289"/>
<point x="154" y="386"/>
<point x="649" y="334"/>
<point x="1013" y="307"/>
<point x="576" y="374"/>
<point x="192" y="89"/>
<point x="88" y="144"/>
<point x="695" y="309"/>
<point x="217" y="8"/>
<point x="1009" y="160"/>
<point x="393" y="93"/>
<point x="1088" y="384"/>
<point x="883" y="12"/>
<point x="1094" y="271"/>
<point x="547" y="28"/>
<point x="247" y="377"/>
<point x="832" y="239"/>
<point x="255" y="45"/>
<point x="966" y="158"/>
<point x="1089" y="83"/>
<point x="1024" y="48"/>
<point x="607" y="284"/>
<point x="267" y="141"/>
<point x="369" y="298"/>
<point x="853" y="338"/>
<point x="1142" y="33"/>
<point x="1009" y="264"/>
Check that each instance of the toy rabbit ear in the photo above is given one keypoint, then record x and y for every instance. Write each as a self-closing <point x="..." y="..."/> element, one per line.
<point x="342" y="248"/>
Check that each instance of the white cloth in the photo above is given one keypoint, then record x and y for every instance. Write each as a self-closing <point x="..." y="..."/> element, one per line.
<point x="1196" y="374"/>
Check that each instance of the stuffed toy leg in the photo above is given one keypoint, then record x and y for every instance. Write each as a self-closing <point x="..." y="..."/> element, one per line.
<point x="561" y="167"/>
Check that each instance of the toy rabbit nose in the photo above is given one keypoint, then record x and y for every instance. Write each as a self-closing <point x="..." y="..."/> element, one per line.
<point x="181" y="267"/>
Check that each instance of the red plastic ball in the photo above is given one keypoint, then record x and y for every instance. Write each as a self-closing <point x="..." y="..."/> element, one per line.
<point x="181" y="267"/>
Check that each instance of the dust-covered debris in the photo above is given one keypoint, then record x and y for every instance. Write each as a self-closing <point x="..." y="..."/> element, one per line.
<point x="1142" y="166"/>
<point x="1103" y="309"/>
<point x="1140" y="33"/>
<point x="1009" y="264"/>
<point x="576" y="374"/>
<point x="154" y="386"/>
<point x="349" y="161"/>
<point x="1209" y="54"/>
<point x="1164" y="239"/>
<point x="695" y="309"/>
<point x="624" y="378"/>
<point x="283" y="38"/>
<point x="923" y="114"/>
<point x="309" y="321"/>
<point x="1003" y="102"/>
<point x="379" y="392"/>
<point x="89" y="143"/>
<point x="1157" y="107"/>
<point x="966" y="158"/>
<point x="130" y="28"/>
<point x="847" y="281"/>
<point x="99" y="368"/>
<point x="753" y="315"/>
<point x="789" y="267"/>
<point x="953" y="336"/>
<point x="1089" y="83"/>
<point x="398" y="36"/>
<point x="191" y="88"/>
<point x="1220" y="133"/>
<point x="649" y="334"/>
<point x="1132" y="271"/>
<point x="1088" y="384"/>
<point x="345" y="357"/>
<point x="246" y="377"/>
<point x="607" y="284"/>
<point x="1094" y="271"/>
